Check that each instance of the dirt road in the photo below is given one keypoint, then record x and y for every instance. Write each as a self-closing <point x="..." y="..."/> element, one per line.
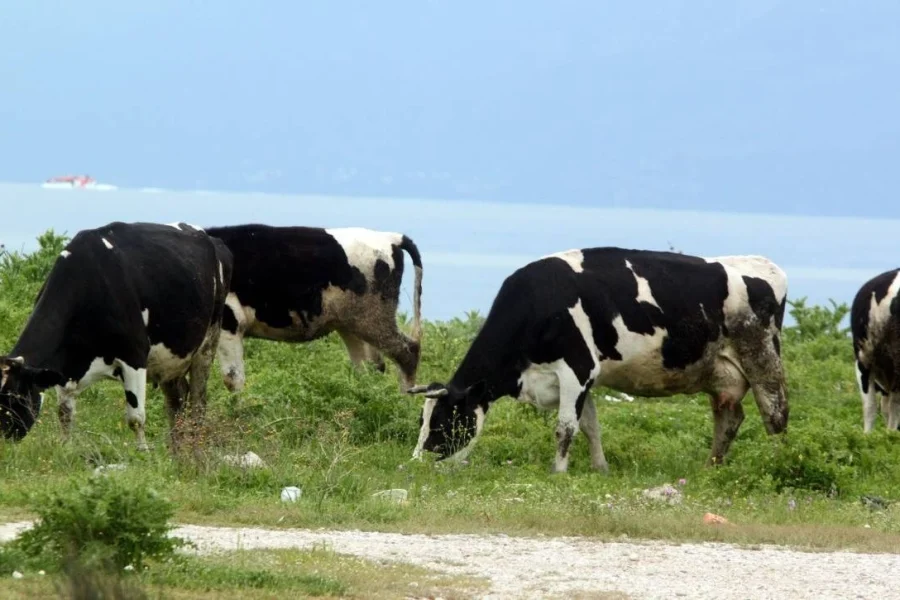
<point x="541" y="567"/>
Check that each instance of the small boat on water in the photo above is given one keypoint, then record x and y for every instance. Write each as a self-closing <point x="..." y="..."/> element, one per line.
<point x="76" y="182"/>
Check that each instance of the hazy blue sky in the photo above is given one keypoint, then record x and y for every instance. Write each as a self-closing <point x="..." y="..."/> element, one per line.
<point x="745" y="105"/>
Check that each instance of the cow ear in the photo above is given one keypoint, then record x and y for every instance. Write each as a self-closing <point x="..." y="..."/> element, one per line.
<point x="432" y="390"/>
<point x="45" y="378"/>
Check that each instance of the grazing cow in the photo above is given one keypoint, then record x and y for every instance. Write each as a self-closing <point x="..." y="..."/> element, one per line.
<point x="875" y="327"/>
<point x="642" y="322"/>
<point x="126" y="301"/>
<point x="297" y="284"/>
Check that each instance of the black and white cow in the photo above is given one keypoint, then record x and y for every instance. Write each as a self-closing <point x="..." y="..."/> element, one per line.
<point x="642" y="322"/>
<point x="297" y="284"/>
<point x="875" y="327"/>
<point x="127" y="301"/>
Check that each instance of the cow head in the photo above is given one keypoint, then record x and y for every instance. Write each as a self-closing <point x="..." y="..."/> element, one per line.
<point x="451" y="419"/>
<point x="20" y="395"/>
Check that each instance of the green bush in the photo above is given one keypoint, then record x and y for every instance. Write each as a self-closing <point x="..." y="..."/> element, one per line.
<point x="813" y="322"/>
<point x="21" y="276"/>
<point x="105" y="522"/>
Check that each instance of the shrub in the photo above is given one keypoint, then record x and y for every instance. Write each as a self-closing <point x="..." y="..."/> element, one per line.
<point x="105" y="522"/>
<point x="814" y="322"/>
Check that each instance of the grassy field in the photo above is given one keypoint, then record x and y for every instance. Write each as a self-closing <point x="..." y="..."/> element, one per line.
<point x="254" y="575"/>
<point x="342" y="436"/>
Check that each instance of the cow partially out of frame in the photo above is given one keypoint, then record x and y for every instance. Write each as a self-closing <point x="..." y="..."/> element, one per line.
<point x="297" y="284"/>
<point x="135" y="302"/>
<point x="642" y="322"/>
<point x="875" y="327"/>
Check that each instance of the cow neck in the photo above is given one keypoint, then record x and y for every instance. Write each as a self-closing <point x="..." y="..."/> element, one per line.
<point x="41" y="342"/>
<point x="493" y="360"/>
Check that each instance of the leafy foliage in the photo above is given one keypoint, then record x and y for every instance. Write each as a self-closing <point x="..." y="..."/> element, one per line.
<point x="21" y="276"/>
<point x="814" y="322"/>
<point x="103" y="522"/>
<point x="342" y="435"/>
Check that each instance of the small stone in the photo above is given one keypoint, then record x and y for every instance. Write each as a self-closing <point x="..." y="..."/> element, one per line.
<point x="17" y="575"/>
<point x="41" y="573"/>
<point x="665" y="493"/>
<point x="398" y="495"/>
<point x="247" y="461"/>
<point x="633" y="557"/>
<point x="110" y="467"/>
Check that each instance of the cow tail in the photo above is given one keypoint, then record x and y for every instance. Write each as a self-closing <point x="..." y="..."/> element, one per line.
<point x="411" y="249"/>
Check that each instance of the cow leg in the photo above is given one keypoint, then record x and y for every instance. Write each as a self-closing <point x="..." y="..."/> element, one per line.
<point x="590" y="427"/>
<point x="201" y="365"/>
<point x="359" y="351"/>
<point x="230" y="350"/>
<point x="728" y="414"/>
<point x="66" y="410"/>
<point x="374" y="357"/>
<point x="176" y="393"/>
<point x="570" y="392"/>
<point x="135" y="383"/>
<point x="890" y="408"/>
<point x="867" y="393"/>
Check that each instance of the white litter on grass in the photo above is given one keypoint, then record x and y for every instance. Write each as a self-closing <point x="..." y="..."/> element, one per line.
<point x="291" y="494"/>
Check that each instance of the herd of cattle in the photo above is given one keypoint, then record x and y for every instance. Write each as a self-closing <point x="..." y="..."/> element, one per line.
<point x="143" y="301"/>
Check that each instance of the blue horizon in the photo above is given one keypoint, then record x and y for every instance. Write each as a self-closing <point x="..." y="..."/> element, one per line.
<point x="496" y="237"/>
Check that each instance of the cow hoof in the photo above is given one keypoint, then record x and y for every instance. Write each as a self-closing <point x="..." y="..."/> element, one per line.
<point x="601" y="468"/>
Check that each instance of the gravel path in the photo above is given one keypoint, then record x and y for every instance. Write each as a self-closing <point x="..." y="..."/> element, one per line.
<point x="539" y="567"/>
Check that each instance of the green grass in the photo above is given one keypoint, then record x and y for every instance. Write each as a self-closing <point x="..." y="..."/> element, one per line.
<point x="342" y="435"/>
<point x="318" y="573"/>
